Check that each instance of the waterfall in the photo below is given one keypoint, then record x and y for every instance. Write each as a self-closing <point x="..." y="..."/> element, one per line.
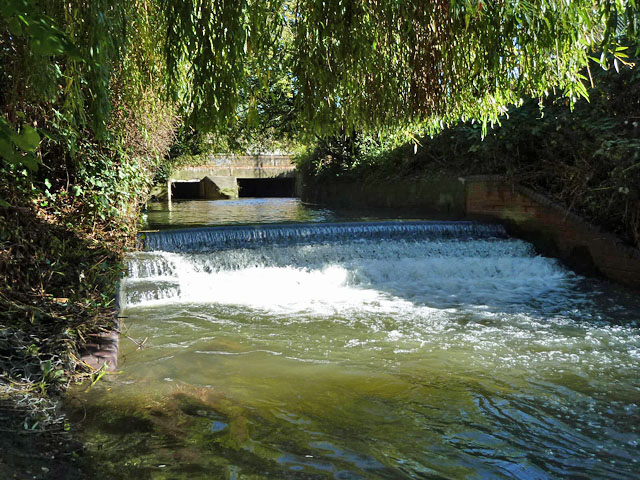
<point x="352" y="340"/>
<point x="328" y="267"/>
<point x="252" y="236"/>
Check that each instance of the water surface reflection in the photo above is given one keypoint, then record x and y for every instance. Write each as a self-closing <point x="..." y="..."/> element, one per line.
<point x="200" y="213"/>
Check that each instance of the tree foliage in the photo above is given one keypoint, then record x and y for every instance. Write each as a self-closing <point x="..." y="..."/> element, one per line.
<point x="208" y="45"/>
<point x="373" y="64"/>
<point x="84" y="109"/>
<point x="381" y="64"/>
<point x="82" y="70"/>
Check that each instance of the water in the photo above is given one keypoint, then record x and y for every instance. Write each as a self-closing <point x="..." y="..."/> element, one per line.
<point x="450" y="352"/>
<point x="219" y="238"/>
<point x="199" y="213"/>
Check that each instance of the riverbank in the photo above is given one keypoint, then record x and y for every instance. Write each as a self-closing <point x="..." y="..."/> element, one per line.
<point x="62" y="240"/>
<point x="80" y="143"/>
<point x="60" y="272"/>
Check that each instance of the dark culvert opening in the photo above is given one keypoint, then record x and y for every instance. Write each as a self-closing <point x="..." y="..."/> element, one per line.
<point x="266" y="187"/>
<point x="185" y="190"/>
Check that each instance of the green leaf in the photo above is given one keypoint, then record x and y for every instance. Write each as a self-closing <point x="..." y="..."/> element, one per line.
<point x="45" y="43"/>
<point x="46" y="366"/>
<point x="8" y="152"/>
<point x="30" y="162"/>
<point x="4" y="203"/>
<point x="6" y="148"/>
<point x="28" y="140"/>
<point x="15" y="27"/>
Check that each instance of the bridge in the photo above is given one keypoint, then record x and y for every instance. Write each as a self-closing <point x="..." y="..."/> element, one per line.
<point x="233" y="176"/>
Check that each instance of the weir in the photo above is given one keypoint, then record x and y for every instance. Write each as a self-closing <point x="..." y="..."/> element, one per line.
<point x="303" y="264"/>
<point x="251" y="236"/>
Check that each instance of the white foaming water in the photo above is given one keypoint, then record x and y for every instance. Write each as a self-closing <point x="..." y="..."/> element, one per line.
<point x="364" y="275"/>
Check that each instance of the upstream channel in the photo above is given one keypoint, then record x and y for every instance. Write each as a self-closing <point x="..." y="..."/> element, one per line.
<point x="375" y="348"/>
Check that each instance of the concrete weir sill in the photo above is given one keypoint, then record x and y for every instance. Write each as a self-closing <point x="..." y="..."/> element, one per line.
<point x="101" y="349"/>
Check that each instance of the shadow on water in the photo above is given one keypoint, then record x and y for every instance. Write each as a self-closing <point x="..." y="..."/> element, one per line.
<point x="194" y="432"/>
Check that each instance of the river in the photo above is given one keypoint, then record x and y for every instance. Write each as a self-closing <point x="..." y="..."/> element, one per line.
<point x="299" y="342"/>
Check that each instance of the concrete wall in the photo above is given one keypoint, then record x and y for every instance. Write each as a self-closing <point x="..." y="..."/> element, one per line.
<point x="224" y="170"/>
<point x="550" y="227"/>
<point x="210" y="190"/>
<point x="195" y="173"/>
<point x="258" y="166"/>
<point x="439" y="197"/>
